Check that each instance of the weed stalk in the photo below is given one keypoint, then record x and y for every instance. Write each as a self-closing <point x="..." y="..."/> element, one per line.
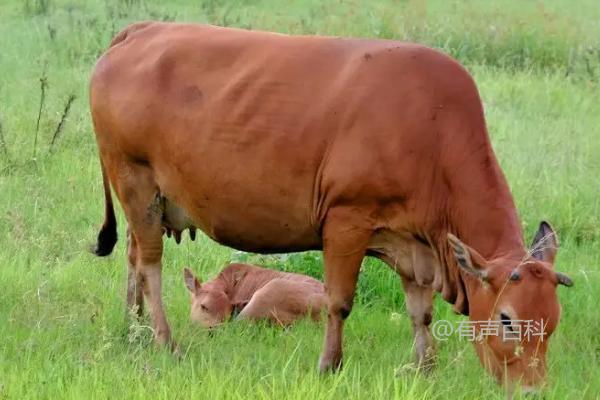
<point x="63" y="118"/>
<point x="43" y="87"/>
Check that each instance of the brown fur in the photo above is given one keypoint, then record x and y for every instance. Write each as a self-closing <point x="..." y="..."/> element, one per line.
<point x="254" y="293"/>
<point x="277" y="143"/>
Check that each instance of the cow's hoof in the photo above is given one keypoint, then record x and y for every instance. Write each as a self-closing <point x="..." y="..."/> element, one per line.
<point x="164" y="340"/>
<point x="406" y="370"/>
<point x="426" y="366"/>
<point x="171" y="346"/>
<point x="330" y="365"/>
<point x="425" y="360"/>
<point x="426" y="369"/>
<point x="176" y="350"/>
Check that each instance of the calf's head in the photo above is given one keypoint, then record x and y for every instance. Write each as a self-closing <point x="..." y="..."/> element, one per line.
<point x="517" y="301"/>
<point x="210" y="304"/>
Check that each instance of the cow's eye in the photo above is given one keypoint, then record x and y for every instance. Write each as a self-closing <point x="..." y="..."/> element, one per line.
<point x="203" y="307"/>
<point x="505" y="319"/>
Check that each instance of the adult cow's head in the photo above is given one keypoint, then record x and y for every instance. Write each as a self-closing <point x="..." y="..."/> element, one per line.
<point x="516" y="297"/>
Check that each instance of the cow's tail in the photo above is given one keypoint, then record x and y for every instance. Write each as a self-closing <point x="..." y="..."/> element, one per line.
<point x="107" y="237"/>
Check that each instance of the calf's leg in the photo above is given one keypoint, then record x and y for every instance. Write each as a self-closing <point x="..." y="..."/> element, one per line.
<point x="344" y="246"/>
<point x="419" y="304"/>
<point x="281" y="301"/>
<point x="273" y="302"/>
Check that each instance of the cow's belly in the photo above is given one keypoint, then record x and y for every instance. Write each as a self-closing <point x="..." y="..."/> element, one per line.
<point x="253" y="231"/>
<point x="240" y="229"/>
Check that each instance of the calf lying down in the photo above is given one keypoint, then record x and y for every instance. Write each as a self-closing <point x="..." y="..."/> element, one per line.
<point x="254" y="293"/>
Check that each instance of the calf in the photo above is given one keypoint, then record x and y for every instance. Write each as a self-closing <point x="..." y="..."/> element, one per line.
<point x="254" y="293"/>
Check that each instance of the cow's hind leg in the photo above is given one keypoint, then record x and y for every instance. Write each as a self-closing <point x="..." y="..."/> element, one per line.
<point x="344" y="246"/>
<point x="143" y="208"/>
<point x="419" y="304"/>
<point x="135" y="281"/>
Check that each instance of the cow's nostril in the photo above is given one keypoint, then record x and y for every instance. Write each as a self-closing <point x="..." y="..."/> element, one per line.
<point x="506" y="321"/>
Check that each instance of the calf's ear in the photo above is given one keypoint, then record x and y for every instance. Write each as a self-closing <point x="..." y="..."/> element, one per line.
<point x="545" y="243"/>
<point x="191" y="282"/>
<point x="469" y="260"/>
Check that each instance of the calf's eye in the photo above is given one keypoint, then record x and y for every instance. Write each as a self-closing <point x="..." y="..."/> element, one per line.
<point x="203" y="307"/>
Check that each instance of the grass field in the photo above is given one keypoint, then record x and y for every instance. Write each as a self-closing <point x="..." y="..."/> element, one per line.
<point x="62" y="327"/>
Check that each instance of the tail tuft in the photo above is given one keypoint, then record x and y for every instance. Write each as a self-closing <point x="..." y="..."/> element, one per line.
<point x="107" y="238"/>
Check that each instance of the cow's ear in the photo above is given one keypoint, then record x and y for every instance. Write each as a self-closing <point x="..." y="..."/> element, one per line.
<point x="468" y="259"/>
<point x="545" y="243"/>
<point x="191" y="282"/>
<point x="238" y="276"/>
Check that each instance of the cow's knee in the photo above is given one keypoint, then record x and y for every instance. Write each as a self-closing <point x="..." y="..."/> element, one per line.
<point x="340" y="307"/>
<point x="427" y="318"/>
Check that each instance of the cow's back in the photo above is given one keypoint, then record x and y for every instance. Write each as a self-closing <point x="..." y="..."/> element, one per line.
<point x="256" y="135"/>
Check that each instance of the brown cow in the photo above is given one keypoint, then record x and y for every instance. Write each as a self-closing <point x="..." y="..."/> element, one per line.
<point x="254" y="293"/>
<point x="277" y="143"/>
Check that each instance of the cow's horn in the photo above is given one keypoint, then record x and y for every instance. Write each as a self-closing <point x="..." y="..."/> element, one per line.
<point x="563" y="279"/>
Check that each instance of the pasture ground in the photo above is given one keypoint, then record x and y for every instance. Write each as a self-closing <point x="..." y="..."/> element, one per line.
<point x="62" y="327"/>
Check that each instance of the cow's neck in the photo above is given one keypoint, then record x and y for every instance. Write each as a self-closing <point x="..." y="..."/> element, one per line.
<point x="481" y="213"/>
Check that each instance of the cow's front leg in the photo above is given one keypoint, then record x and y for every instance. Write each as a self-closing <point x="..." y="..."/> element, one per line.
<point x="419" y="304"/>
<point x="344" y="246"/>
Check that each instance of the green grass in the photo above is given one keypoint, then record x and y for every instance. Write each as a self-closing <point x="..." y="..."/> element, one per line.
<point x="62" y="327"/>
